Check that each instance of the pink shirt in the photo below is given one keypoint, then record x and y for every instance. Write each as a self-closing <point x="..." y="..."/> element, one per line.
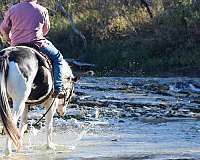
<point x="26" y="22"/>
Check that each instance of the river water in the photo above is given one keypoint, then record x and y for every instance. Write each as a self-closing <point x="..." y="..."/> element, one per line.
<point x="123" y="118"/>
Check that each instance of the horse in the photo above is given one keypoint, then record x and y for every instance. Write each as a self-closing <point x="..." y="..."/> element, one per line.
<point x="22" y="71"/>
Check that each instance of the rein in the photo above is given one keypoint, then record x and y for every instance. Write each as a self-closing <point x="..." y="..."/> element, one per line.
<point x="45" y="112"/>
<point x="64" y="103"/>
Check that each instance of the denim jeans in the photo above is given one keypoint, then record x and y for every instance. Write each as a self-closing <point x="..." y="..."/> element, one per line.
<point x="57" y="61"/>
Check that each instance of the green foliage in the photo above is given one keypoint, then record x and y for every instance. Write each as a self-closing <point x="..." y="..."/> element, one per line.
<point x="123" y="39"/>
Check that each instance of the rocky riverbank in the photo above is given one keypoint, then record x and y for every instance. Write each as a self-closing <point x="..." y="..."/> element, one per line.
<point x="136" y="98"/>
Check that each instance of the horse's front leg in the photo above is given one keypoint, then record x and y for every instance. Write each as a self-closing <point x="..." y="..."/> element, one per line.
<point x="18" y="108"/>
<point x="49" y="122"/>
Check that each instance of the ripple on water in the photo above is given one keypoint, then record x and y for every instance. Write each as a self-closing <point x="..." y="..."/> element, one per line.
<point x="138" y="118"/>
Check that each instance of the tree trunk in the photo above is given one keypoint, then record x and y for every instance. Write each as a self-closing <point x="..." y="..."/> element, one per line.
<point x="71" y="21"/>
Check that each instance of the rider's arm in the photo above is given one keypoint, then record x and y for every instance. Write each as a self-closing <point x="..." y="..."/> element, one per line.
<point x="46" y="26"/>
<point x="5" y="36"/>
<point x="5" y="26"/>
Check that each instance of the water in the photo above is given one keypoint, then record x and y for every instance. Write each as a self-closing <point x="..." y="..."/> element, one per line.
<point x="133" y="139"/>
<point x="124" y="118"/>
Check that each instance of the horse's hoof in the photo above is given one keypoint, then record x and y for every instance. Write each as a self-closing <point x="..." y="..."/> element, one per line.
<point x="7" y="152"/>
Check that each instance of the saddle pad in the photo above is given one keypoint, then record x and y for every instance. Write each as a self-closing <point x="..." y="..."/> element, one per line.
<point x="42" y="86"/>
<point x="43" y="82"/>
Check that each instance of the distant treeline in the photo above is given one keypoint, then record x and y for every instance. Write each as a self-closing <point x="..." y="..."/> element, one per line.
<point x="121" y="37"/>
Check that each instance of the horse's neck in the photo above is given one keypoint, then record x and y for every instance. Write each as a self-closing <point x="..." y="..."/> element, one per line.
<point x="67" y="72"/>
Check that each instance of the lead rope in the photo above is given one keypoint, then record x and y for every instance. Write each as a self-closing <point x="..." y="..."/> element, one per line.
<point x="65" y="100"/>
<point x="45" y="113"/>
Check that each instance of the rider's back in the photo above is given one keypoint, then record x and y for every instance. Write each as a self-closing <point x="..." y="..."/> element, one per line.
<point x="28" y="22"/>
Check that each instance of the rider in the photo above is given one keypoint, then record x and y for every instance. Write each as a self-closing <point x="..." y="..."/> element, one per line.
<point x="28" y="22"/>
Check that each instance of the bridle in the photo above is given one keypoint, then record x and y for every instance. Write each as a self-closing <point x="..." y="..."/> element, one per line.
<point x="69" y="90"/>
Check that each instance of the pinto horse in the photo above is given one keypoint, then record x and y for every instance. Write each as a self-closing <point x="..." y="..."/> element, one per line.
<point x="27" y="80"/>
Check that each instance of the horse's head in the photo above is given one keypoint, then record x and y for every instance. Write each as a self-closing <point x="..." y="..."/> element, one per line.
<point x="68" y="86"/>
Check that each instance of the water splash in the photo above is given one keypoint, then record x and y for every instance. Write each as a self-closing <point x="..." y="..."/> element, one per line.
<point x="32" y="133"/>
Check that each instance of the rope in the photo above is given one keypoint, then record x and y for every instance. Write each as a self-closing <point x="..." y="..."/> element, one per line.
<point x="45" y="113"/>
<point x="65" y="100"/>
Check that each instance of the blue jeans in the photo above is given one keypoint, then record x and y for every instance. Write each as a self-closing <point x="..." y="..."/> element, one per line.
<point x="57" y="61"/>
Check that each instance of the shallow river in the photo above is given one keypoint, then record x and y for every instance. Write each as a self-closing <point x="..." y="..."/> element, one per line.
<point x="123" y="118"/>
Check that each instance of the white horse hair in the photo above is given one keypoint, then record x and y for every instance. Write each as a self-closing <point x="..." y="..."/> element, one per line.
<point x="18" y="68"/>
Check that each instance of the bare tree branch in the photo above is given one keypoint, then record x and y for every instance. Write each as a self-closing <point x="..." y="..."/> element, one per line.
<point x="148" y="5"/>
<point x="70" y="19"/>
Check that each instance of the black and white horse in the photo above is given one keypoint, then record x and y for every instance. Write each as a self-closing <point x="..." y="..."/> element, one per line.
<point x="21" y="78"/>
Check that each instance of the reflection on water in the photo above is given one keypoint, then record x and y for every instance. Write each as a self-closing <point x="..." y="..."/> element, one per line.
<point x="144" y="132"/>
<point x="136" y="139"/>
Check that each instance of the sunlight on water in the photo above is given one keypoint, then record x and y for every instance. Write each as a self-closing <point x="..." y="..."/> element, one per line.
<point x="159" y="141"/>
<point x="126" y="118"/>
<point x="35" y="143"/>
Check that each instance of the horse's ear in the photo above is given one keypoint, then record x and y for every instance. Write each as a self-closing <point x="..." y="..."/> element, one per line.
<point x="76" y="78"/>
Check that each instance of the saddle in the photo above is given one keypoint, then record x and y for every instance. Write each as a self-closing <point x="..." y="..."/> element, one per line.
<point x="43" y="82"/>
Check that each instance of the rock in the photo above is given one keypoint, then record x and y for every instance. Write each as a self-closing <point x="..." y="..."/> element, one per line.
<point x="73" y="112"/>
<point x="136" y="114"/>
<point x="169" y="113"/>
<point x="71" y="105"/>
<point x="195" y="115"/>
<point x="114" y="140"/>
<point x="121" y="121"/>
<point x="112" y="106"/>
<point x="89" y="103"/>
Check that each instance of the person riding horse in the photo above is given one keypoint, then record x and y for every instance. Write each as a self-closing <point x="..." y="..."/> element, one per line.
<point x="28" y="23"/>
<point x="24" y="82"/>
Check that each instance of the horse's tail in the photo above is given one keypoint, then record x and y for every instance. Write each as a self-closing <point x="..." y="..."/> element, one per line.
<point x="5" y="111"/>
